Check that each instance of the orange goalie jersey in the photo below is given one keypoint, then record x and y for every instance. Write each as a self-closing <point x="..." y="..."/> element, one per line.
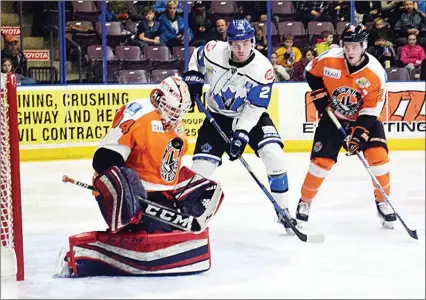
<point x="138" y="135"/>
<point x="352" y="94"/>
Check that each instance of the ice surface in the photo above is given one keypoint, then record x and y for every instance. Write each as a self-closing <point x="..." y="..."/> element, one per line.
<point x="251" y="255"/>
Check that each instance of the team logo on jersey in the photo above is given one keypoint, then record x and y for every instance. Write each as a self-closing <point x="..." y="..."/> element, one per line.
<point x="205" y="148"/>
<point x="346" y="101"/>
<point x="170" y="160"/>
<point x="210" y="46"/>
<point x="317" y="146"/>
<point x="333" y="73"/>
<point x="269" y="74"/>
<point x="362" y="82"/>
<point x="227" y="100"/>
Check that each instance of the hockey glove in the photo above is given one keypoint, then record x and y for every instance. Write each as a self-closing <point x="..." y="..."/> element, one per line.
<point x="237" y="144"/>
<point x="321" y="99"/>
<point x="357" y="140"/>
<point x="195" y="82"/>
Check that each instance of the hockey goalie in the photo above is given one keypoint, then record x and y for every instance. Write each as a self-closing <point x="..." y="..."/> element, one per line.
<point x="157" y="212"/>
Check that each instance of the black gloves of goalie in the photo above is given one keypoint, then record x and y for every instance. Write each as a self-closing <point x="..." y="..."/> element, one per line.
<point x="195" y="82"/>
<point x="321" y="99"/>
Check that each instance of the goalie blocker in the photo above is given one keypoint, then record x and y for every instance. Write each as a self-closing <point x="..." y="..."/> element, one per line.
<point x="158" y="233"/>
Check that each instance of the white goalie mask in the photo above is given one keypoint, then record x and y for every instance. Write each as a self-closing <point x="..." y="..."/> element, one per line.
<point x="172" y="100"/>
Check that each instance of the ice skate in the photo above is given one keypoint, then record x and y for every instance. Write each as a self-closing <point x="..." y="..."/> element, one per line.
<point x="287" y="227"/>
<point x="386" y="214"/>
<point x="302" y="213"/>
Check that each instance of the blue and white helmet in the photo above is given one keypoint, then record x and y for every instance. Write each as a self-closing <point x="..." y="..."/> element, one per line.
<point x="240" y="30"/>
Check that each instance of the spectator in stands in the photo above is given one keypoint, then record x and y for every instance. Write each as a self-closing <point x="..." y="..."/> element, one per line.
<point x="136" y="11"/>
<point x="160" y="6"/>
<point x="172" y="27"/>
<point x="379" y="28"/>
<point x="324" y="43"/>
<point x="391" y="11"/>
<point x="367" y="11"/>
<point x="219" y="33"/>
<point x="421" y="7"/>
<point x="200" y="22"/>
<point x="411" y="22"/>
<point x="299" y="68"/>
<point x="252" y="10"/>
<point x="341" y="11"/>
<point x="314" y="11"/>
<point x="15" y="54"/>
<point x="412" y="54"/>
<point x="288" y="55"/>
<point x="6" y="65"/>
<point x="383" y="51"/>
<point x="261" y="42"/>
<point x="280" y="72"/>
<point x="148" y="30"/>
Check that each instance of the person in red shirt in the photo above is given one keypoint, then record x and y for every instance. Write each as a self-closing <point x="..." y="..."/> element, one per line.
<point x="412" y="54"/>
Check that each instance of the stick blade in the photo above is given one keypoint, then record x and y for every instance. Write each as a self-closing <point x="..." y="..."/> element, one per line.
<point x="315" y="238"/>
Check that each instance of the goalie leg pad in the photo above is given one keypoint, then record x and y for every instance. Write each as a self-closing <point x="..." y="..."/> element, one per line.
<point x="137" y="254"/>
<point x="119" y="188"/>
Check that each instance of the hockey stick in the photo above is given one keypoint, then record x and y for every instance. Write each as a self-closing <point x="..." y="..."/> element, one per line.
<point x="412" y="233"/>
<point x="310" y="238"/>
<point x="156" y="211"/>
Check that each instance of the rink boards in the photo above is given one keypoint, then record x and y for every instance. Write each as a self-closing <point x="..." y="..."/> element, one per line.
<point x="68" y="121"/>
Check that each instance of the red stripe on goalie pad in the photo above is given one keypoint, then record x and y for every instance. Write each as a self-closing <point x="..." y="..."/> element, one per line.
<point x="100" y="253"/>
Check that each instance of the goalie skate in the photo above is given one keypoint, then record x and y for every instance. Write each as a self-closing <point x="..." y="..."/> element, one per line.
<point x="386" y="214"/>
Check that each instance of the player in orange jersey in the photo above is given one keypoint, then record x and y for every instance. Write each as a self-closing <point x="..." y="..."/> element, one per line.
<point x="151" y="205"/>
<point x="353" y="83"/>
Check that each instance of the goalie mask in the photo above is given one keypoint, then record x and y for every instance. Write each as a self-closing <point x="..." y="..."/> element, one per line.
<point x="172" y="100"/>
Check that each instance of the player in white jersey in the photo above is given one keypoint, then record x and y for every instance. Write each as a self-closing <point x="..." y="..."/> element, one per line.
<point x="241" y="81"/>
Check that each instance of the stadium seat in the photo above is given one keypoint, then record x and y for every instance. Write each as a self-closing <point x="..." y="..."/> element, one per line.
<point x="225" y="9"/>
<point x="133" y="76"/>
<point x="159" y="75"/>
<point x="131" y="58"/>
<point x="85" y="11"/>
<point x="316" y="28"/>
<point x="95" y="53"/>
<point x="160" y="58"/>
<point x="284" y="10"/>
<point x="296" y="29"/>
<point x="398" y="74"/>
<point x="115" y="33"/>
<point x="179" y="52"/>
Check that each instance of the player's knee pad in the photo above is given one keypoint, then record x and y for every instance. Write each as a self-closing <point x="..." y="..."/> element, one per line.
<point x="119" y="190"/>
<point x="135" y="254"/>
<point x="378" y="160"/>
<point x="320" y="166"/>
<point x="204" y="167"/>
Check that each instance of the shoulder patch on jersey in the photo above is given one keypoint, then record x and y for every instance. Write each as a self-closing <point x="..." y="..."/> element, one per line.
<point x="333" y="73"/>
<point x="156" y="126"/>
<point x="133" y="108"/>
<point x="363" y="82"/>
<point x="269" y="74"/>
<point x="210" y="46"/>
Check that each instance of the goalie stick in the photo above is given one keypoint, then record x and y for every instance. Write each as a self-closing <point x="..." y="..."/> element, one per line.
<point x="156" y="211"/>
<point x="310" y="238"/>
<point x="412" y="233"/>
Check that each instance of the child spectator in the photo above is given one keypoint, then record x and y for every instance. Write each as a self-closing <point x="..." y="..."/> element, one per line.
<point x="280" y="72"/>
<point x="383" y="51"/>
<point x="172" y="27"/>
<point x="379" y="28"/>
<point x="324" y="44"/>
<point x="412" y="54"/>
<point x="148" y="30"/>
<point x="288" y="54"/>
<point x="6" y="65"/>
<point x="299" y="68"/>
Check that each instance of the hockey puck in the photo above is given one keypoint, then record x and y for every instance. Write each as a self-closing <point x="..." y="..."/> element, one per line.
<point x="177" y="143"/>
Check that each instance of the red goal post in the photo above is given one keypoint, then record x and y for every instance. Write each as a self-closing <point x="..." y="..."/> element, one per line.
<point x="12" y="256"/>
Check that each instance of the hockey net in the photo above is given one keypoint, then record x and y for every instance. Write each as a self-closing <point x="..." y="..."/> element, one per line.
<point x="12" y="262"/>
